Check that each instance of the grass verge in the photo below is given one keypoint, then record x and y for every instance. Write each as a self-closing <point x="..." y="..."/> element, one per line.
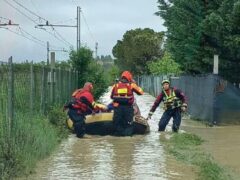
<point x="186" y="147"/>
<point x="32" y="137"/>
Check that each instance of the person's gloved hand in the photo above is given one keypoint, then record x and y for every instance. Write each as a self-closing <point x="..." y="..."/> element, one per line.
<point x="101" y="106"/>
<point x="149" y="115"/>
<point x="184" y="107"/>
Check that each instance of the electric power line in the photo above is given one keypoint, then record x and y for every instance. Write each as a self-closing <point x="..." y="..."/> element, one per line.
<point x="20" y="11"/>
<point x="22" y="35"/>
<point x="90" y="32"/>
<point x="34" y="5"/>
<point x="34" y="21"/>
<point x="5" y="18"/>
<point x="61" y="36"/>
<point x="33" y="13"/>
<point x="74" y="2"/>
<point x="24" y="31"/>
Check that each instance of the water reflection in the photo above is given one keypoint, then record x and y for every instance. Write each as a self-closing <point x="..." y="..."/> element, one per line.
<point x="111" y="158"/>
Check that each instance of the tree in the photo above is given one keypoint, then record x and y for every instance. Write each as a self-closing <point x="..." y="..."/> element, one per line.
<point x="137" y="48"/>
<point x="196" y="30"/>
<point x="83" y="61"/>
<point x="80" y="61"/>
<point x="164" y="66"/>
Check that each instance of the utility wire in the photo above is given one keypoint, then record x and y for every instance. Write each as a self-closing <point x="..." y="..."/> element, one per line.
<point x="74" y="3"/>
<point x="5" y="18"/>
<point x="35" y="7"/>
<point x="61" y="36"/>
<point x="33" y="13"/>
<point x="23" y="31"/>
<point x="89" y="30"/>
<point x="22" y="35"/>
<point x="34" y="21"/>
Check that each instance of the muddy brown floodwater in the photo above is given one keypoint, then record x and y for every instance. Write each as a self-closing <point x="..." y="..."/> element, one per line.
<point x="111" y="158"/>
<point x="222" y="142"/>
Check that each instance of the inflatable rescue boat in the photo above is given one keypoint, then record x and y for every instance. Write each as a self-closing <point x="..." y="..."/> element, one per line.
<point x="102" y="124"/>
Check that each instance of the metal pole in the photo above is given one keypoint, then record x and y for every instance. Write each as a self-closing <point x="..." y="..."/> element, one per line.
<point x="60" y="85"/>
<point x="31" y="87"/>
<point x="10" y="95"/>
<point x="215" y="64"/>
<point x="96" y="49"/>
<point x="43" y="90"/>
<point x="52" y="77"/>
<point x="47" y="53"/>
<point x="69" y="81"/>
<point x="78" y="28"/>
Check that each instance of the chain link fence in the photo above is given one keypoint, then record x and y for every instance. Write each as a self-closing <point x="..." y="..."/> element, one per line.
<point x="210" y="98"/>
<point x="28" y="90"/>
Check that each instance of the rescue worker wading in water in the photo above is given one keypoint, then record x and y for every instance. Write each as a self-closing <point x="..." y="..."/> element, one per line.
<point x="174" y="103"/>
<point x="123" y="98"/>
<point x="82" y="104"/>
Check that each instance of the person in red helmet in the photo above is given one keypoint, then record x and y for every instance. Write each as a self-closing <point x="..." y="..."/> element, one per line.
<point x="123" y="99"/>
<point x="82" y="104"/>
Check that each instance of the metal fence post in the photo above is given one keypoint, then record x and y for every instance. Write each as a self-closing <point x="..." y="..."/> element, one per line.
<point x="10" y="95"/>
<point x="77" y="80"/>
<point x="31" y="87"/>
<point x="52" y="82"/>
<point x="69" y="81"/>
<point x="60" y="84"/>
<point x="43" y="90"/>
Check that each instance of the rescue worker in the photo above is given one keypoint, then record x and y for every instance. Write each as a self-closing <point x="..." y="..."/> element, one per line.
<point x="123" y="99"/>
<point x="174" y="103"/>
<point x="82" y="104"/>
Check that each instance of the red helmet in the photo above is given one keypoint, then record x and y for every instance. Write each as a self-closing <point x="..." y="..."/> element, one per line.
<point x="88" y="86"/>
<point x="127" y="75"/>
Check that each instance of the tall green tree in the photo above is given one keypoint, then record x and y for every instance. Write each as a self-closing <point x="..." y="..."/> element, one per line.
<point x="89" y="71"/>
<point x="138" y="47"/>
<point x="80" y="61"/>
<point x="196" y="30"/>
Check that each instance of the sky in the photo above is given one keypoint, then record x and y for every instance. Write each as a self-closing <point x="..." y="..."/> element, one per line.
<point x="102" y="21"/>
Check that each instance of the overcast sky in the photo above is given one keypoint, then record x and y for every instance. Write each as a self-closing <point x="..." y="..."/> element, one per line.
<point x="107" y="20"/>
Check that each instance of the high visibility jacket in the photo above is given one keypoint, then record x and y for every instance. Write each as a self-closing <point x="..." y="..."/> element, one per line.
<point x="83" y="101"/>
<point x="171" y="98"/>
<point x="122" y="92"/>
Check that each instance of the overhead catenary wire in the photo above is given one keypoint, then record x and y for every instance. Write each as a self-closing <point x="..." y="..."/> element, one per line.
<point x="31" y="19"/>
<point x="5" y="18"/>
<point x="61" y="36"/>
<point x="33" y="13"/>
<point x="89" y="30"/>
<point x="24" y="31"/>
<point x="31" y="37"/>
<point x="60" y="49"/>
<point x="74" y="2"/>
<point x="22" y="35"/>
<point x="35" y="21"/>
<point x="34" y="5"/>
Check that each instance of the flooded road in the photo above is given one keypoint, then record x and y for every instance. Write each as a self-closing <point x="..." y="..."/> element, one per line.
<point x="222" y="142"/>
<point x="108" y="158"/>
